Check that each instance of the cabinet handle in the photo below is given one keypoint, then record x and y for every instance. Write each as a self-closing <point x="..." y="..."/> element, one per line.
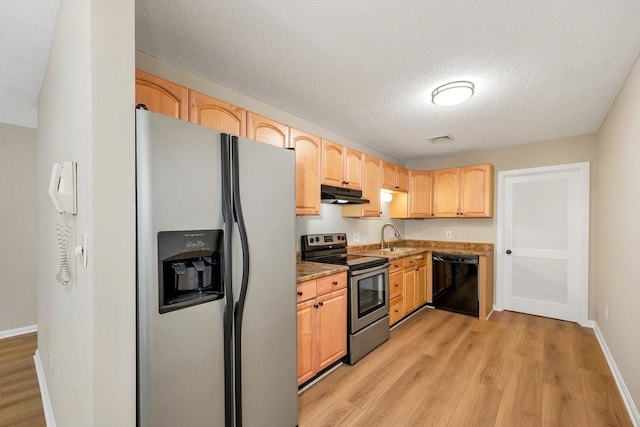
<point x="335" y="283"/>
<point x="315" y="305"/>
<point x="417" y="269"/>
<point x="395" y="284"/>
<point x="299" y="293"/>
<point x="320" y="304"/>
<point x="396" y="311"/>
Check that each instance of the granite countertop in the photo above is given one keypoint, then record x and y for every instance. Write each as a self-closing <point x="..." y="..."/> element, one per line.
<point x="307" y="270"/>
<point x="419" y="246"/>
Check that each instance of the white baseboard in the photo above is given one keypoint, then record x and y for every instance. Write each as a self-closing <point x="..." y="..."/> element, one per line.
<point x="44" y="391"/>
<point x="624" y="391"/>
<point x="18" y="331"/>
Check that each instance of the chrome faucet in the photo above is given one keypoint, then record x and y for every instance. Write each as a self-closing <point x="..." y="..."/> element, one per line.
<point x="382" y="241"/>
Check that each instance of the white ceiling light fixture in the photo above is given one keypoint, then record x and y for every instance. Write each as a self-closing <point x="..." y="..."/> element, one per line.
<point x="452" y="93"/>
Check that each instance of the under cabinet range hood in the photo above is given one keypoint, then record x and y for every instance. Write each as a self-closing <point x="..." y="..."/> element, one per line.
<point x="342" y="196"/>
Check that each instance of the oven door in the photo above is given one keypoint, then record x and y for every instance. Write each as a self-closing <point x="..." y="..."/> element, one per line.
<point x="368" y="296"/>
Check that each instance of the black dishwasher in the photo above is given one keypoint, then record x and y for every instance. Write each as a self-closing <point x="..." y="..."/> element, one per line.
<point x="455" y="283"/>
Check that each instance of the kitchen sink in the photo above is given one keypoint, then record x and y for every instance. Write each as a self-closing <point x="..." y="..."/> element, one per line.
<point x="398" y="250"/>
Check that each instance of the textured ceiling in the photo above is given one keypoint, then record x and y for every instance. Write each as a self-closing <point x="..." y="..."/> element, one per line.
<point x="26" y="31"/>
<point x="365" y="69"/>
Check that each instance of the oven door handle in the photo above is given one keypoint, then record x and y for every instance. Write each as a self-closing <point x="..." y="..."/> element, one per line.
<point x="357" y="273"/>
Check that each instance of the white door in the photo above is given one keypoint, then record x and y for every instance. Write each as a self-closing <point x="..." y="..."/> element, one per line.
<point x="543" y="241"/>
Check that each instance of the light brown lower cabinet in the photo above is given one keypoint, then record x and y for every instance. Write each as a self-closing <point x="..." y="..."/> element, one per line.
<point x="409" y="287"/>
<point x="322" y="324"/>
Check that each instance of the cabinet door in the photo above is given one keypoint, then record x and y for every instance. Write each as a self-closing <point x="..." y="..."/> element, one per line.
<point x="162" y="96"/>
<point x="220" y="115"/>
<point x="307" y="148"/>
<point x="388" y="175"/>
<point x="332" y="164"/>
<point x="396" y="310"/>
<point x="476" y="191"/>
<point x="402" y="179"/>
<point x="421" y="285"/>
<point x="409" y="290"/>
<point x="332" y="327"/>
<point x="266" y="130"/>
<point x="353" y="162"/>
<point x="446" y="192"/>
<point x="307" y="340"/>
<point x="371" y="186"/>
<point x="420" y="183"/>
<point x="395" y="284"/>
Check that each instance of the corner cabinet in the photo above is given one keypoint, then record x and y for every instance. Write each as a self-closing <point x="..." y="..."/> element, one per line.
<point x="308" y="150"/>
<point x="370" y="191"/>
<point x="322" y="324"/>
<point x="417" y="203"/>
<point x="394" y="178"/>
<point x="162" y="96"/>
<point x="463" y="192"/>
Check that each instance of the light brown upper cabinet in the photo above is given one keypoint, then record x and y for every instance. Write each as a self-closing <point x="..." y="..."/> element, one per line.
<point x="220" y="115"/>
<point x="420" y="194"/>
<point x="265" y="130"/>
<point x="417" y="203"/>
<point x="341" y="166"/>
<point x="370" y="191"/>
<point x="402" y="179"/>
<point x="394" y="178"/>
<point x="308" y="149"/>
<point x="162" y="96"/>
<point x="463" y="192"/>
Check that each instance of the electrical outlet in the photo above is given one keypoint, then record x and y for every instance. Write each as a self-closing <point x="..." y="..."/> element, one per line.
<point x="50" y="362"/>
<point x="606" y="312"/>
<point x="449" y="234"/>
<point x="356" y="237"/>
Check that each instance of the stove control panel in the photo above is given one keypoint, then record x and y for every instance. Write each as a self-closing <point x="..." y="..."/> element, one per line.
<point x="316" y="240"/>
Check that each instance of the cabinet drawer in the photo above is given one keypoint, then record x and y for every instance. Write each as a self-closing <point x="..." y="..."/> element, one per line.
<point x="409" y="262"/>
<point x="395" y="310"/>
<point x="421" y="259"/>
<point x="395" y="265"/>
<point x="331" y="283"/>
<point x="395" y="284"/>
<point x="306" y="290"/>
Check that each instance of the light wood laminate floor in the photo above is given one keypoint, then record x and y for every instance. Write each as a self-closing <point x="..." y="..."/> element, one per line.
<point x="445" y="369"/>
<point x="20" y="402"/>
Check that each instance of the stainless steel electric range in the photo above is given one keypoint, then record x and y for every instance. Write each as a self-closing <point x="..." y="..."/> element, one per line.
<point x="368" y="291"/>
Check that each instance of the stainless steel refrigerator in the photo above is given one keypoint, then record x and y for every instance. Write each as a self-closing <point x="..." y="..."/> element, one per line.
<point x="216" y="278"/>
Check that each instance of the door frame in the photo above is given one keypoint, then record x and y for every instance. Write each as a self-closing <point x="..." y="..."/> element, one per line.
<point x="583" y="168"/>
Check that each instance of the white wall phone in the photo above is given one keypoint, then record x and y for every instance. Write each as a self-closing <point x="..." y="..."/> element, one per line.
<point x="62" y="187"/>
<point x="62" y="190"/>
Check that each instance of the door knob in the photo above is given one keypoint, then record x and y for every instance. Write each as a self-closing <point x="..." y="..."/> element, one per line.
<point x="508" y="251"/>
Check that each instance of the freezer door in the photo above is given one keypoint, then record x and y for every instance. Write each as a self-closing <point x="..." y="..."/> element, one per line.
<point x="269" y="358"/>
<point x="180" y="353"/>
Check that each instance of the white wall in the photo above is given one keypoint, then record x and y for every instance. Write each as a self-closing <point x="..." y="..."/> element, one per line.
<point x="18" y="219"/>
<point x="86" y="114"/>
<point x="618" y="235"/>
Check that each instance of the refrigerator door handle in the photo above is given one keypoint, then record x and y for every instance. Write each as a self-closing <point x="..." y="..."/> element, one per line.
<point x="227" y="213"/>
<point x="244" y="284"/>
